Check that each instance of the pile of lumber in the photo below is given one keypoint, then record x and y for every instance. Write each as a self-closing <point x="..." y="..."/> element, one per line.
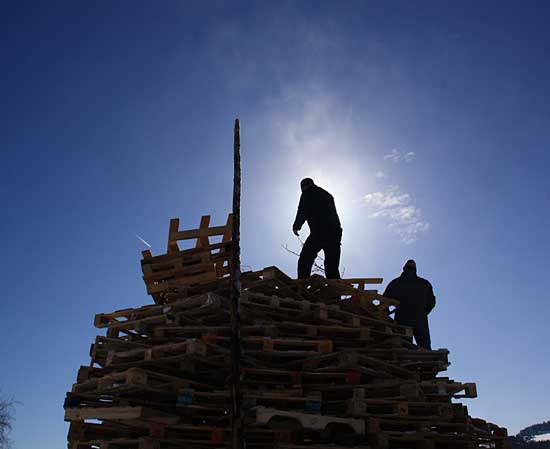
<point x="323" y="365"/>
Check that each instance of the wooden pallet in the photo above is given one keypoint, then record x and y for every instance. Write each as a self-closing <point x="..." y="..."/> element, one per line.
<point x="444" y="387"/>
<point x="351" y="293"/>
<point x="268" y="344"/>
<point x="181" y="269"/>
<point x="303" y="311"/>
<point x="134" y="380"/>
<point x="143" y="414"/>
<point x="366" y="407"/>
<point x="202" y="234"/>
<point x="188" y="347"/>
<point x="323" y="364"/>
<point x="116" y="443"/>
<point x="174" y="332"/>
<point x="190" y="310"/>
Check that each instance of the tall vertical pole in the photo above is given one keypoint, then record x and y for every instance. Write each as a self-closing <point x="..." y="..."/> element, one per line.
<point x="237" y="418"/>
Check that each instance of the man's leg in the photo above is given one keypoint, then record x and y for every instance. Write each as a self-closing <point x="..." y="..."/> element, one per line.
<point x="332" y="258"/>
<point x="422" y="337"/>
<point x="307" y="257"/>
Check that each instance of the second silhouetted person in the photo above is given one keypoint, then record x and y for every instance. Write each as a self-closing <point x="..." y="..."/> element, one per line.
<point x="318" y="209"/>
<point x="416" y="301"/>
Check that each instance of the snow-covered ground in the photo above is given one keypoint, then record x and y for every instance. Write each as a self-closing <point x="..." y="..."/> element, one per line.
<point x="543" y="437"/>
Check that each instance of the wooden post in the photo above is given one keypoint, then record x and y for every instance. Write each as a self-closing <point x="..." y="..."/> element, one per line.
<point x="237" y="421"/>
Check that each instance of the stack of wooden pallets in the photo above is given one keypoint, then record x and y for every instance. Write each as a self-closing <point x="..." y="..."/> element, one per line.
<point x="323" y="365"/>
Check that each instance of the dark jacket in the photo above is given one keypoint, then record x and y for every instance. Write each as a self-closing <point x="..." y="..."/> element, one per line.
<point x="416" y="298"/>
<point x="318" y="209"/>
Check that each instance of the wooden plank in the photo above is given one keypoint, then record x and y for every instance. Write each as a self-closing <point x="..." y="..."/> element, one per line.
<point x="203" y="241"/>
<point x="172" y="231"/>
<point x="122" y="413"/>
<point x="199" y="233"/>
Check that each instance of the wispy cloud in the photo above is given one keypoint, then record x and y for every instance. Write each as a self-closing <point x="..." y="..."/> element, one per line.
<point x="398" y="209"/>
<point x="313" y="128"/>
<point x="397" y="156"/>
<point x="380" y="174"/>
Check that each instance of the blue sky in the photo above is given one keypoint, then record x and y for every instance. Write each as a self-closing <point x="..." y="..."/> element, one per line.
<point x="428" y="121"/>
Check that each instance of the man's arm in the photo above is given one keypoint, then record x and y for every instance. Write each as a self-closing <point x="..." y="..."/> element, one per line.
<point x="300" y="216"/>
<point x="333" y="211"/>
<point x="430" y="300"/>
<point x="388" y="293"/>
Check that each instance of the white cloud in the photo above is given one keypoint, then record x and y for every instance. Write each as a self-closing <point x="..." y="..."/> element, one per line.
<point x="380" y="174"/>
<point x="398" y="209"/>
<point x="393" y="156"/>
<point x="313" y="128"/>
<point x="383" y="200"/>
<point x="397" y="156"/>
<point x="409" y="156"/>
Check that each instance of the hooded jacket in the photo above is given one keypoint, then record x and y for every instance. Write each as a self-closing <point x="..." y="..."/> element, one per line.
<point x="416" y="298"/>
<point x="318" y="209"/>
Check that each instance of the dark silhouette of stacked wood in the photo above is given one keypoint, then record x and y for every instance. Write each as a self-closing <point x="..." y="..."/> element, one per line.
<point x="324" y="365"/>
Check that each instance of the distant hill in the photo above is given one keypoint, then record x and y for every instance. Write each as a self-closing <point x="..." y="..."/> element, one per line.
<point x="525" y="439"/>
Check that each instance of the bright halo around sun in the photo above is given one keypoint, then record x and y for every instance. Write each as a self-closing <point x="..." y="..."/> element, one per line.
<point x="338" y="182"/>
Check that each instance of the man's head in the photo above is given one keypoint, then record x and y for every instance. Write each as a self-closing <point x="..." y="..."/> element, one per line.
<point x="410" y="265"/>
<point x="306" y="183"/>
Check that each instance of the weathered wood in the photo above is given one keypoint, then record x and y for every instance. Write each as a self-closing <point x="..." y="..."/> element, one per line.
<point x="314" y="360"/>
<point x="235" y="297"/>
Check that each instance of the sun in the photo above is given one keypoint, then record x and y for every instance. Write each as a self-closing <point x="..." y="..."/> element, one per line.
<point x="339" y="186"/>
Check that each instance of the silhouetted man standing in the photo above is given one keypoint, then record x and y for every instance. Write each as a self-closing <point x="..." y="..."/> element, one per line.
<point x="416" y="301"/>
<point x="318" y="209"/>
